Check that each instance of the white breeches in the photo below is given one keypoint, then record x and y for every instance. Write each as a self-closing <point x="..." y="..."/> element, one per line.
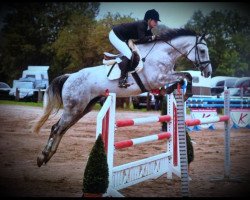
<point x="121" y="46"/>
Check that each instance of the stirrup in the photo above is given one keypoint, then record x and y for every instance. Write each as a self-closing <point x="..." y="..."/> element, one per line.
<point x="123" y="83"/>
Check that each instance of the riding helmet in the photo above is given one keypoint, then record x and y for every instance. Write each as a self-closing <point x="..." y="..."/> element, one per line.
<point x="151" y="14"/>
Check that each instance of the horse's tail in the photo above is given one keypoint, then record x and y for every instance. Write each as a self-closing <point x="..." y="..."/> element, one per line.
<point x="52" y="100"/>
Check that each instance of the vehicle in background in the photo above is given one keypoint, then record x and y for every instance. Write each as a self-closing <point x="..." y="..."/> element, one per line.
<point x="241" y="88"/>
<point x="219" y="83"/>
<point x="33" y="79"/>
<point x="201" y="86"/>
<point x="38" y="75"/>
<point x="4" y="86"/>
<point x="143" y="99"/>
<point x="4" y="91"/>
<point x="26" y="89"/>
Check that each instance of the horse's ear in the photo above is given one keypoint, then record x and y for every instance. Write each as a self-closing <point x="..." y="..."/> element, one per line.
<point x="202" y="37"/>
<point x="207" y="36"/>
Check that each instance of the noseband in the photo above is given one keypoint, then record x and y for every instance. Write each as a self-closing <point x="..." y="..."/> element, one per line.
<point x="198" y="64"/>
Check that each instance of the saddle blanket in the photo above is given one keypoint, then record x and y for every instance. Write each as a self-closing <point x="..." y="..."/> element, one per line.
<point x="116" y="72"/>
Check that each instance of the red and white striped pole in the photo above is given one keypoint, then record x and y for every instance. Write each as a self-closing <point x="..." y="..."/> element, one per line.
<point x="143" y="120"/>
<point x="135" y="141"/>
<point x="193" y="122"/>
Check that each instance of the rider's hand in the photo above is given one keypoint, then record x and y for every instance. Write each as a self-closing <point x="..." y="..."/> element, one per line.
<point x="155" y="37"/>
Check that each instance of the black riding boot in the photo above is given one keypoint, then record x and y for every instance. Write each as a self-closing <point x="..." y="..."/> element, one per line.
<point x="123" y="67"/>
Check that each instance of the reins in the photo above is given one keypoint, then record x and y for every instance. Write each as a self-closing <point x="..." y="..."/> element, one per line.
<point x="196" y="53"/>
<point x="196" y="64"/>
<point x="144" y="59"/>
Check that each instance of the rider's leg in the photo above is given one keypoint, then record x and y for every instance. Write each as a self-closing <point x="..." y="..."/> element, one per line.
<point x="127" y="54"/>
<point x="123" y="67"/>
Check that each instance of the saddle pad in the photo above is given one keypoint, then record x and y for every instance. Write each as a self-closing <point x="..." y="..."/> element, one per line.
<point x="115" y="73"/>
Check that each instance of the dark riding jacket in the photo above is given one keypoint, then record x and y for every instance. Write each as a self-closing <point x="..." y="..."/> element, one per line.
<point x="135" y="30"/>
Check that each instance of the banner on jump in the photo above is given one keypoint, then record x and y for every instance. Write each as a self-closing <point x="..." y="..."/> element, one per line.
<point x="203" y="113"/>
<point x="240" y="117"/>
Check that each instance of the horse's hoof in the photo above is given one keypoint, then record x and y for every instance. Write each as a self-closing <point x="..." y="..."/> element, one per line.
<point x="40" y="160"/>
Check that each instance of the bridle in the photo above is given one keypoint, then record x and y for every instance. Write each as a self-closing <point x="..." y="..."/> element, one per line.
<point x="198" y="64"/>
<point x="201" y="65"/>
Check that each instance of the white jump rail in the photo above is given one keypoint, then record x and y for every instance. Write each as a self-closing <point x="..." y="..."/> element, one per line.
<point x="128" y="174"/>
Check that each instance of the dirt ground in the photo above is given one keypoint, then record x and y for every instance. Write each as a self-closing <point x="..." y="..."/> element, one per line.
<point x="62" y="175"/>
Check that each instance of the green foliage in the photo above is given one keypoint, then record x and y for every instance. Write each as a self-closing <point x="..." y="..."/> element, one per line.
<point x="96" y="172"/>
<point x="20" y="40"/>
<point x="228" y="42"/>
<point x="82" y="42"/>
<point x="99" y="38"/>
<point x="66" y="36"/>
<point x="21" y="103"/>
<point x="72" y="43"/>
<point x="190" y="148"/>
<point x="164" y="112"/>
<point x="28" y="31"/>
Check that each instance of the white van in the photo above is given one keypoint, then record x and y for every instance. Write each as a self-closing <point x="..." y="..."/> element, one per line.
<point x="218" y="83"/>
<point x="34" y="78"/>
<point x="25" y="89"/>
<point x="38" y="78"/>
<point x="38" y="75"/>
<point x="241" y="84"/>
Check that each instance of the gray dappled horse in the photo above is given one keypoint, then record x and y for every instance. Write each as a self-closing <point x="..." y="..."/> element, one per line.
<point x="79" y="91"/>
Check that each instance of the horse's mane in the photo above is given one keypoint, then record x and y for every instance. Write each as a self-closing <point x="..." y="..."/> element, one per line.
<point x="174" y="33"/>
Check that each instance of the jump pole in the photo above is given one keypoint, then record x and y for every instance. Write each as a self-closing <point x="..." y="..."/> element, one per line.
<point x="227" y="159"/>
<point x="181" y="112"/>
<point x="128" y="174"/>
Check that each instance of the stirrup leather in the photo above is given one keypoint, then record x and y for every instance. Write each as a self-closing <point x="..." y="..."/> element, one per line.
<point x="123" y="82"/>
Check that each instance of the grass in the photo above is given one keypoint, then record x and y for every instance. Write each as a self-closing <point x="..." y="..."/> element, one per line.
<point x="35" y="104"/>
<point x="21" y="103"/>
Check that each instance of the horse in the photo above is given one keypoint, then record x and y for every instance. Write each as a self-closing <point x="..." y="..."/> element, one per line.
<point x="78" y="92"/>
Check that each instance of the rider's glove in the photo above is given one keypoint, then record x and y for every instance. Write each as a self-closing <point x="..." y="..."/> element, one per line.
<point x="155" y="37"/>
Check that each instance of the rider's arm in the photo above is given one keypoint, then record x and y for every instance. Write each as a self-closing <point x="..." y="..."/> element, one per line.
<point x="142" y="36"/>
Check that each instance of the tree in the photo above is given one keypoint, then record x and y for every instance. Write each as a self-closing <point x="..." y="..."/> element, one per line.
<point x="21" y="40"/>
<point x="96" y="174"/>
<point x="62" y="16"/>
<point x="82" y="42"/>
<point x="28" y="31"/>
<point x="72" y="44"/>
<point x="229" y="33"/>
<point x="100" y="34"/>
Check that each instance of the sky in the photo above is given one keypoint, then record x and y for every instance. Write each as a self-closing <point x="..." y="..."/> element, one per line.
<point x="172" y="14"/>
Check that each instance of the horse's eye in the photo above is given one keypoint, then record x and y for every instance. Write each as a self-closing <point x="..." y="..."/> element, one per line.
<point x="202" y="51"/>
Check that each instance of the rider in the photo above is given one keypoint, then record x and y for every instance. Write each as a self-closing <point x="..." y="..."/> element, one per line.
<point x="140" y="31"/>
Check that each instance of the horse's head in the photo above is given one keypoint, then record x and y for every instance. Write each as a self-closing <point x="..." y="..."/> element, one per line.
<point x="195" y="49"/>
<point x="199" y="55"/>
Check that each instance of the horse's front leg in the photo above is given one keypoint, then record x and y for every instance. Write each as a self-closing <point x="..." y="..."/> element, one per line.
<point x="179" y="77"/>
<point x="189" y="78"/>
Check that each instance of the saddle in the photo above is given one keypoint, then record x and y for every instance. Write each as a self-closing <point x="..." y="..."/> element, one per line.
<point x="111" y="62"/>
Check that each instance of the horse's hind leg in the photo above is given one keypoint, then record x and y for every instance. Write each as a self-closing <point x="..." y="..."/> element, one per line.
<point x="68" y="119"/>
<point x="56" y="134"/>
